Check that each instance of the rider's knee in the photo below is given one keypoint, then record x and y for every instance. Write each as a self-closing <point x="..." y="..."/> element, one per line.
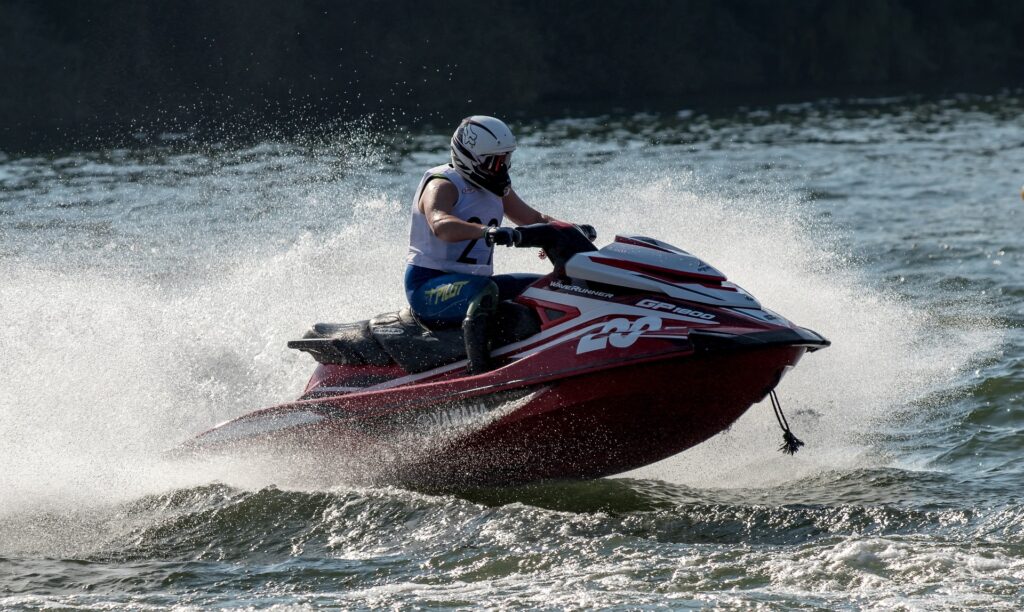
<point x="485" y="300"/>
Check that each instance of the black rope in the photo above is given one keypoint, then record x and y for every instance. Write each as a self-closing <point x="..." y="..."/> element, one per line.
<point x="790" y="443"/>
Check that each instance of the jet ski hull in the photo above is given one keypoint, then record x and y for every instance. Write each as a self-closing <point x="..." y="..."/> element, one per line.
<point x="585" y="426"/>
<point x="607" y="422"/>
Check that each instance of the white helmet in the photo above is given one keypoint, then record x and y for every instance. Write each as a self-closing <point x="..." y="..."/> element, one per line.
<point x="482" y="153"/>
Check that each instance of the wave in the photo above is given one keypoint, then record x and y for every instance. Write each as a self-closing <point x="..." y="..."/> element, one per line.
<point x="619" y="541"/>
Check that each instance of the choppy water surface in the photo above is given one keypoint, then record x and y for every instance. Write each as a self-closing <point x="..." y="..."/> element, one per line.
<point x="148" y="294"/>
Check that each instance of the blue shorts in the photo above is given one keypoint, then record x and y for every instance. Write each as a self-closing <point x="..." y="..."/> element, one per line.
<point x="442" y="298"/>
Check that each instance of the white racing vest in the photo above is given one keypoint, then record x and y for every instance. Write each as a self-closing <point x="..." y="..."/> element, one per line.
<point x="475" y="205"/>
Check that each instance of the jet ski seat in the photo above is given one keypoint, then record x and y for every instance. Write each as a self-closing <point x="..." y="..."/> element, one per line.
<point x="400" y="338"/>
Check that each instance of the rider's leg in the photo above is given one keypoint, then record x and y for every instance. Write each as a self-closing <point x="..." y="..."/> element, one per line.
<point x="443" y="300"/>
<point x="511" y="285"/>
<point x="476" y="329"/>
<point x="451" y="299"/>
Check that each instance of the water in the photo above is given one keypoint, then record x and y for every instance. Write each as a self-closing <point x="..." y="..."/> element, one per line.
<point x="148" y="294"/>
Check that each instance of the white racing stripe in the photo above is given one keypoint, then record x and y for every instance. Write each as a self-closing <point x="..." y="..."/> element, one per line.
<point x="259" y="424"/>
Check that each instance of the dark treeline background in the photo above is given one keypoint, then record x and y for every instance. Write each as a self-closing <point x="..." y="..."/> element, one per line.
<point x="71" y="69"/>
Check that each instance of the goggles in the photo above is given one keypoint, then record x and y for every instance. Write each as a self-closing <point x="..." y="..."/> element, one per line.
<point x="494" y="163"/>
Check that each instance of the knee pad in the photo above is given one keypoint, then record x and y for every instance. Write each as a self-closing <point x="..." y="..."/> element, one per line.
<point x="485" y="301"/>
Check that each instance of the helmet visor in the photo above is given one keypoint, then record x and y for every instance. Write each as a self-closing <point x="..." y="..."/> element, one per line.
<point x="495" y="163"/>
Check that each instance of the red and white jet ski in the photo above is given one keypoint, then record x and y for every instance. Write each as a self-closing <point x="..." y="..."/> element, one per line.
<point x="620" y="357"/>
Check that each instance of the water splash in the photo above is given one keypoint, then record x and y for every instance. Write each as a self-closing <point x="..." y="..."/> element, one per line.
<point x="174" y="314"/>
<point x="886" y="353"/>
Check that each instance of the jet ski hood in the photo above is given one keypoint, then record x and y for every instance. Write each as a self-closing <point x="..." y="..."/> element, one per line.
<point x="647" y="264"/>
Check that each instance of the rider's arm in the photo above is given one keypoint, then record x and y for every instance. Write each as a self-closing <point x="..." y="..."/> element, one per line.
<point x="437" y="203"/>
<point x="521" y="213"/>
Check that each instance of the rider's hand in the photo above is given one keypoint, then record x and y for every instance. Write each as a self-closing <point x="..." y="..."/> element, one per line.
<point x="505" y="236"/>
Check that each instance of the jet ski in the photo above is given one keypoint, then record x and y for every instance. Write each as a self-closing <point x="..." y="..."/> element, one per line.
<point x="622" y="356"/>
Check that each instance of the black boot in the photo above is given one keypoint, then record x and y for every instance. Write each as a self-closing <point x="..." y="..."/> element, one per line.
<point x="476" y="330"/>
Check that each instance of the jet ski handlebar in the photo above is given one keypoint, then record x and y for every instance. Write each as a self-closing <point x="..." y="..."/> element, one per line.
<point x="559" y="240"/>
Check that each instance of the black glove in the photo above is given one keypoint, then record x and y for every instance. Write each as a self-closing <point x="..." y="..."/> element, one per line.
<point x="588" y="231"/>
<point x="505" y="236"/>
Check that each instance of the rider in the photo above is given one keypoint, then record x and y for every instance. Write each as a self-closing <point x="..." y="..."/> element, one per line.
<point x="456" y="221"/>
